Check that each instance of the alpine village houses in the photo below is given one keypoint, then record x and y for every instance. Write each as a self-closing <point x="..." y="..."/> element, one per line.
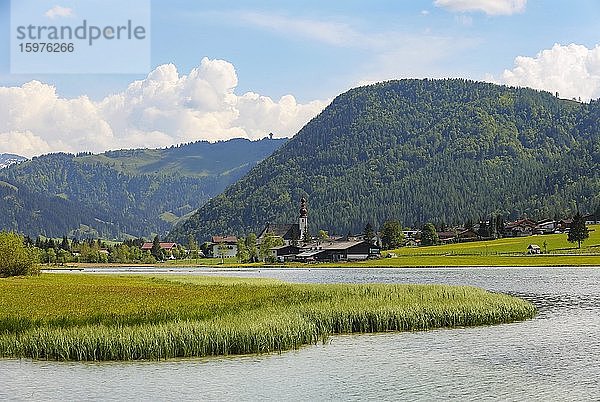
<point x="299" y="246"/>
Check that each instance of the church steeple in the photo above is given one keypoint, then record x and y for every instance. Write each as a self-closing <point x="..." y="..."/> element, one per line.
<point x="303" y="222"/>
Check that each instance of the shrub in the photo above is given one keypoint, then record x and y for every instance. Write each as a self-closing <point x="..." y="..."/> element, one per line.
<point x="15" y="258"/>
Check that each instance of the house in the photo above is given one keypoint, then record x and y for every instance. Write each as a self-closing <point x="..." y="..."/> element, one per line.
<point x="534" y="249"/>
<point x="291" y="233"/>
<point x="446" y="237"/>
<point x="285" y="253"/>
<point x="563" y="225"/>
<point x="592" y="219"/>
<point x="165" y="246"/>
<point x="224" y="246"/>
<point x="468" y="235"/>
<point x="345" y="250"/>
<point x="519" y="228"/>
<point x="545" y="226"/>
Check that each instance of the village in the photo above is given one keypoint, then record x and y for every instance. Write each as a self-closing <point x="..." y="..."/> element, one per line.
<point x="292" y="242"/>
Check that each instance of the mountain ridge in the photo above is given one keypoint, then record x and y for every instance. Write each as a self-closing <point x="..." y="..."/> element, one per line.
<point x="446" y="151"/>
<point x="124" y="193"/>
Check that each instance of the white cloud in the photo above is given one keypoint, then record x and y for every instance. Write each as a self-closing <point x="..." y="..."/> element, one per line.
<point x="572" y="71"/>
<point x="490" y="7"/>
<point x="163" y="109"/>
<point x="59" y="12"/>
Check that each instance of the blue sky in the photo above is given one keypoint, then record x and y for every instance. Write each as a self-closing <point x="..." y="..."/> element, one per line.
<point x="314" y="50"/>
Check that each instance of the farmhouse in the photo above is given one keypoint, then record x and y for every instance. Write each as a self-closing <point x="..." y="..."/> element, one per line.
<point x="163" y="245"/>
<point x="224" y="246"/>
<point x="167" y="247"/>
<point x="534" y="249"/>
<point x="520" y="228"/>
<point x="338" y="251"/>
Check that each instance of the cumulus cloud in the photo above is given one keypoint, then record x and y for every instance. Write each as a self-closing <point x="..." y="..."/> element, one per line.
<point x="572" y="71"/>
<point x="490" y="7"/>
<point x="163" y="109"/>
<point x="59" y="12"/>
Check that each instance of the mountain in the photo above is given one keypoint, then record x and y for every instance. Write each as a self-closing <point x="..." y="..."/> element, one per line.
<point x="9" y="159"/>
<point x="123" y="193"/>
<point x="446" y="151"/>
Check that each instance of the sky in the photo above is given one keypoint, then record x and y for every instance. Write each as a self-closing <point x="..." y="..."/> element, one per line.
<point x="220" y="70"/>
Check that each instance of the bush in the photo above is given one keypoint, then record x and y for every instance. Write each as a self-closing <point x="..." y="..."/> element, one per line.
<point x="15" y="258"/>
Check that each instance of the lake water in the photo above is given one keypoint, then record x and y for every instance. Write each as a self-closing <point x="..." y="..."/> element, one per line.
<point x="555" y="356"/>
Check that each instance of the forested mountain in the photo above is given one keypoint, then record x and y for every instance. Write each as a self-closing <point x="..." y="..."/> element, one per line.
<point x="121" y="193"/>
<point x="446" y="151"/>
<point x="8" y="159"/>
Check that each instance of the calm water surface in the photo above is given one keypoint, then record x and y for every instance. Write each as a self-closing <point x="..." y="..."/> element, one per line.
<point x="555" y="356"/>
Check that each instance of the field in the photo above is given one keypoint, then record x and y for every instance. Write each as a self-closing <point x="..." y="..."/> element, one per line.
<point x="109" y="317"/>
<point x="501" y="252"/>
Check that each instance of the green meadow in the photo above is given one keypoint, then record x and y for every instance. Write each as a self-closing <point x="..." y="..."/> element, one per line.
<point x="556" y="251"/>
<point x="110" y="317"/>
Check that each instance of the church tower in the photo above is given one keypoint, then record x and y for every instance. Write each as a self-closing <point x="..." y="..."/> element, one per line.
<point x="303" y="223"/>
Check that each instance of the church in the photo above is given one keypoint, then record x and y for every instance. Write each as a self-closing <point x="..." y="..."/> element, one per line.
<point x="299" y="246"/>
<point x="290" y="232"/>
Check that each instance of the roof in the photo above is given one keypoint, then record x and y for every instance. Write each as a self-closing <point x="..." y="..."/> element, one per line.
<point x="446" y="235"/>
<point x="288" y="231"/>
<point x="163" y="245"/>
<point x="334" y="245"/>
<point x="533" y="246"/>
<point x="224" y="239"/>
<point x="521" y="222"/>
<point x="311" y="253"/>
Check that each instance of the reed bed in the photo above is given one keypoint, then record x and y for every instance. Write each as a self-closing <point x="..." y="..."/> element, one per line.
<point x="89" y="317"/>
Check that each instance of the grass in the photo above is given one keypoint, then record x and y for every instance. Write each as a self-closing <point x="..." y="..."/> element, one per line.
<point x="499" y="252"/>
<point x="109" y="317"/>
<point x="556" y="244"/>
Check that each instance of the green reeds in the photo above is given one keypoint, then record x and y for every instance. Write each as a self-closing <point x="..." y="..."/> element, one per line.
<point x="129" y="318"/>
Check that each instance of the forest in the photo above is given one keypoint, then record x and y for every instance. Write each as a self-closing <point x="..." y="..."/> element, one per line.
<point x="443" y="151"/>
<point x="121" y="194"/>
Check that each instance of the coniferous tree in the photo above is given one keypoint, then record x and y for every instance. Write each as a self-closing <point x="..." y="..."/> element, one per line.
<point x="156" y="250"/>
<point x="579" y="231"/>
<point x="368" y="232"/>
<point x="65" y="244"/>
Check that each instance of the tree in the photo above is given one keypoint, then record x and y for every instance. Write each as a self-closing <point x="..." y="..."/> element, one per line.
<point x="391" y="234"/>
<point x="268" y="242"/>
<point x="579" y="231"/>
<point x="251" y="247"/>
<point x="193" y="247"/>
<point x="221" y="251"/>
<point x="368" y="232"/>
<point x="306" y="238"/>
<point x="65" y="244"/>
<point x="322" y="235"/>
<point x="156" y="250"/>
<point x="242" y="251"/>
<point x="429" y="235"/>
<point x="15" y="258"/>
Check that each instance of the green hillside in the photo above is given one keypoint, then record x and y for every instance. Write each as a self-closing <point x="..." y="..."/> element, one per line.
<point x="446" y="151"/>
<point x="121" y="193"/>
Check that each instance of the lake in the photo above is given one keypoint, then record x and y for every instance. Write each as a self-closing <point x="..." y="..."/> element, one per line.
<point x="555" y="356"/>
